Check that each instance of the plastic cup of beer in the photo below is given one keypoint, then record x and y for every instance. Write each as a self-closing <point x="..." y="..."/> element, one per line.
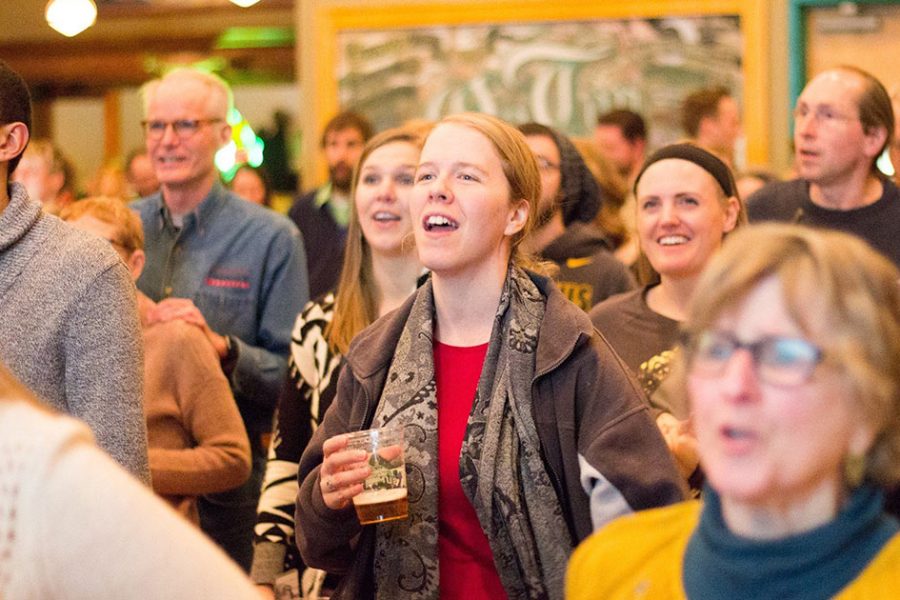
<point x="384" y="491"/>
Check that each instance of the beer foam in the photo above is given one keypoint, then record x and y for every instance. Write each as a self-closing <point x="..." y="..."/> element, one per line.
<point x="379" y="496"/>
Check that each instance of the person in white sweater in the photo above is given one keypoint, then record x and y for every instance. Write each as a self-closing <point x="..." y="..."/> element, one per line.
<point x="75" y="525"/>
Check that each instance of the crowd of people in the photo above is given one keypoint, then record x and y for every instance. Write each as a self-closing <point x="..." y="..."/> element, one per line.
<point x="614" y="380"/>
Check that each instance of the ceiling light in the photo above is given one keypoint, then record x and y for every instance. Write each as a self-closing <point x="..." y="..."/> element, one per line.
<point x="244" y="3"/>
<point x="71" y="17"/>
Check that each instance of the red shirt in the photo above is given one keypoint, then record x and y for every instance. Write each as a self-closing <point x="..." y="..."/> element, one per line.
<point x="466" y="562"/>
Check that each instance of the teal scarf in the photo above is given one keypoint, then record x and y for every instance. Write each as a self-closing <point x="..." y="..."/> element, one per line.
<point x="812" y="565"/>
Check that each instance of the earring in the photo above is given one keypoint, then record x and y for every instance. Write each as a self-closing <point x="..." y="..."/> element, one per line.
<point x="854" y="469"/>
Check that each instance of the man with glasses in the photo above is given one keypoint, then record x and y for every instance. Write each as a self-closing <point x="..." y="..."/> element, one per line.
<point x="564" y="231"/>
<point x="235" y="270"/>
<point x="68" y="320"/>
<point x="843" y="122"/>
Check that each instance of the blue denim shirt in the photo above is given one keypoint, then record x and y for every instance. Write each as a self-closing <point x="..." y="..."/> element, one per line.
<point x="245" y="269"/>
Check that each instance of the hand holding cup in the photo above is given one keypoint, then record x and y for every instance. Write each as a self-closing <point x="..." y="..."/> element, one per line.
<point x="343" y="472"/>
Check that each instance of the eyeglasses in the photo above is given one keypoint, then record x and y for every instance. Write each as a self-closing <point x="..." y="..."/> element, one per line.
<point x="183" y="128"/>
<point x="823" y="115"/>
<point x="779" y="361"/>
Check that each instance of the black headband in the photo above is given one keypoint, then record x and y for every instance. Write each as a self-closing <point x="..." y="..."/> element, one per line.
<point x="707" y="161"/>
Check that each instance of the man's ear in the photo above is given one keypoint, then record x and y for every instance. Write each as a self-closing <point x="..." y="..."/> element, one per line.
<point x="224" y="135"/>
<point x="13" y="139"/>
<point x="135" y="263"/>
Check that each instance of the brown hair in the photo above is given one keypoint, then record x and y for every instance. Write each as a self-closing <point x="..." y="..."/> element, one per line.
<point x="347" y="119"/>
<point x="842" y="294"/>
<point x="613" y="191"/>
<point x="630" y="123"/>
<point x="875" y="108"/>
<point x="355" y="305"/>
<point x="129" y="231"/>
<point x="701" y="104"/>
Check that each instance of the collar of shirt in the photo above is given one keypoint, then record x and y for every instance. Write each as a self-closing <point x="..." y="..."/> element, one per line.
<point x="198" y="216"/>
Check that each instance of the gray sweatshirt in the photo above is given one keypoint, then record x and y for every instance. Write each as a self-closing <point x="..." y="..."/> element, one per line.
<point x="69" y="328"/>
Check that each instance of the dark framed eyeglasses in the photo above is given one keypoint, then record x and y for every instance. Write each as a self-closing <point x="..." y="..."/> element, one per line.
<point x="779" y="360"/>
<point x="184" y="128"/>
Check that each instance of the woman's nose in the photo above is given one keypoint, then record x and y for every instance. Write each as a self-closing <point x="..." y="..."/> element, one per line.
<point x="439" y="191"/>
<point x="668" y="213"/>
<point x="739" y="378"/>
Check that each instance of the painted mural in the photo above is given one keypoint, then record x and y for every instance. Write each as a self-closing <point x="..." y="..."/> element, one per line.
<point x="558" y="73"/>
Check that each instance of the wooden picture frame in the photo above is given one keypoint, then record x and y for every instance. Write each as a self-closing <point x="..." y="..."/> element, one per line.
<point x="326" y="20"/>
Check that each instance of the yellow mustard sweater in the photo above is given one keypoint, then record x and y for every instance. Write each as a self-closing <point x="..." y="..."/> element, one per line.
<point x="641" y="556"/>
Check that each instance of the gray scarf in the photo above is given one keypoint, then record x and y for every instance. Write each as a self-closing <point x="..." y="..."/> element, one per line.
<point x="500" y="468"/>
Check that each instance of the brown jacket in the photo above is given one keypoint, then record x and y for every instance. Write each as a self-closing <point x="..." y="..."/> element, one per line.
<point x="590" y="415"/>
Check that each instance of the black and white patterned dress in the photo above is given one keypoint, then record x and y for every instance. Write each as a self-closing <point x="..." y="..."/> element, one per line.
<point x="308" y="391"/>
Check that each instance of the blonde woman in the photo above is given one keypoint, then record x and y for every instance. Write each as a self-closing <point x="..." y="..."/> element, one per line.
<point x="792" y="370"/>
<point x="380" y="272"/>
<point x="524" y="431"/>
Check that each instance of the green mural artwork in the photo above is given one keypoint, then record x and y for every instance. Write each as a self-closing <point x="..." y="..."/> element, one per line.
<point x="558" y="73"/>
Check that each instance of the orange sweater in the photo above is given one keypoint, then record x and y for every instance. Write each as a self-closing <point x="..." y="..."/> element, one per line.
<point x="196" y="437"/>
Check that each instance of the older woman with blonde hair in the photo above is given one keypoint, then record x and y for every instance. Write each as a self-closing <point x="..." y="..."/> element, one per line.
<point x="792" y="371"/>
<point x="524" y="430"/>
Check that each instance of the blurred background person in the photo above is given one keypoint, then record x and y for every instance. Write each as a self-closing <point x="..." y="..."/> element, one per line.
<point x="74" y="525"/>
<point x="792" y="371"/>
<point x="109" y="181"/>
<point x="613" y="192"/>
<point x="252" y="184"/>
<point x="564" y="231"/>
<point x="322" y="214"/>
<point x="380" y="271"/>
<point x="711" y="118"/>
<point x="140" y="173"/>
<point x="843" y="123"/>
<point x="686" y="204"/>
<point x="195" y="437"/>
<point x="621" y="137"/>
<point x="47" y="175"/>
<point x="748" y="182"/>
<point x="486" y="366"/>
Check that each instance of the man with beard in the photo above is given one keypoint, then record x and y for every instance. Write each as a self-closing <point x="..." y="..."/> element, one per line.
<point x="322" y="214"/>
<point x="621" y="137"/>
<point x="564" y="232"/>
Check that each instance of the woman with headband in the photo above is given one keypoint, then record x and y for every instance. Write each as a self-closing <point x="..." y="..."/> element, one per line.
<point x="687" y="203"/>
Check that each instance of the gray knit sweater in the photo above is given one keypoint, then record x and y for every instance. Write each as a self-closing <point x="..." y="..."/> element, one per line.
<point x="69" y="328"/>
